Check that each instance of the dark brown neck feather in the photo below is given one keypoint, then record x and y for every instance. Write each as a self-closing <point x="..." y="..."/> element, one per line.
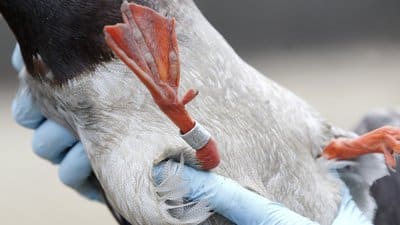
<point x="66" y="34"/>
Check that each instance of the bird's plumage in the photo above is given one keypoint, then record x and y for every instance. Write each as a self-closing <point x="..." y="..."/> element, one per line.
<point x="269" y="138"/>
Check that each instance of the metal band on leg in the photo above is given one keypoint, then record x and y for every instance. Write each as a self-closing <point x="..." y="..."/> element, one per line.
<point x="197" y="137"/>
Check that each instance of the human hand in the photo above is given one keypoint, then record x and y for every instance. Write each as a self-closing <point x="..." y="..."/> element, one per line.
<point x="242" y="206"/>
<point x="55" y="143"/>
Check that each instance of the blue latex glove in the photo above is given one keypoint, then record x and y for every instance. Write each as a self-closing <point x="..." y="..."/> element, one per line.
<point x="16" y="59"/>
<point x="242" y="206"/>
<point x="54" y="143"/>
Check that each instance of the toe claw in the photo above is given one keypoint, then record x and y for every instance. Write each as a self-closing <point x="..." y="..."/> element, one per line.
<point x="189" y="96"/>
<point x="390" y="161"/>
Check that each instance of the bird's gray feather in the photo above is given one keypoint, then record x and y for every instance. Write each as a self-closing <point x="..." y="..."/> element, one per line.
<point x="268" y="137"/>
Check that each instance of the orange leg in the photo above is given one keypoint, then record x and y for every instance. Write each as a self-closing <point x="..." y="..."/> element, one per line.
<point x="384" y="140"/>
<point x="146" y="42"/>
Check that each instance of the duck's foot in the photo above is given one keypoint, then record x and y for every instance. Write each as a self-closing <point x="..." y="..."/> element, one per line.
<point x="146" y="42"/>
<point x="385" y="140"/>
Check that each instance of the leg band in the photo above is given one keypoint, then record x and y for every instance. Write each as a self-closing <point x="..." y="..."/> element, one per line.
<point x="197" y="137"/>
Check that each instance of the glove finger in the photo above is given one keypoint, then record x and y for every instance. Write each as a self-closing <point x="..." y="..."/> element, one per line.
<point x="75" y="168"/>
<point x="24" y="111"/>
<point x="75" y="171"/>
<point x="90" y="191"/>
<point x="349" y="213"/>
<point x="51" y="140"/>
<point x="16" y="59"/>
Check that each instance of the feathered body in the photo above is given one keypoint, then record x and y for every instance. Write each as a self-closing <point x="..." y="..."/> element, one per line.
<point x="269" y="139"/>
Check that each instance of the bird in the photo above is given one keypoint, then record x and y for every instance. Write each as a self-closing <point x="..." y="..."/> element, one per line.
<point x="270" y="141"/>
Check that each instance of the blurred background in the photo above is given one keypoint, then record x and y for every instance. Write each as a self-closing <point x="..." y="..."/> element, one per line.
<point x="341" y="56"/>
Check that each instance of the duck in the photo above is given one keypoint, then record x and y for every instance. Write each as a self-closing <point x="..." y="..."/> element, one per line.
<point x="270" y="141"/>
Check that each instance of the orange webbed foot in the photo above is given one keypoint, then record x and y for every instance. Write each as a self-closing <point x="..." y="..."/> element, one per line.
<point x="385" y="140"/>
<point x="146" y="42"/>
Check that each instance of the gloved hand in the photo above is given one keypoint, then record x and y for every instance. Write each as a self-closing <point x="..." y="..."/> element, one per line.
<point x="242" y="206"/>
<point x="54" y="143"/>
